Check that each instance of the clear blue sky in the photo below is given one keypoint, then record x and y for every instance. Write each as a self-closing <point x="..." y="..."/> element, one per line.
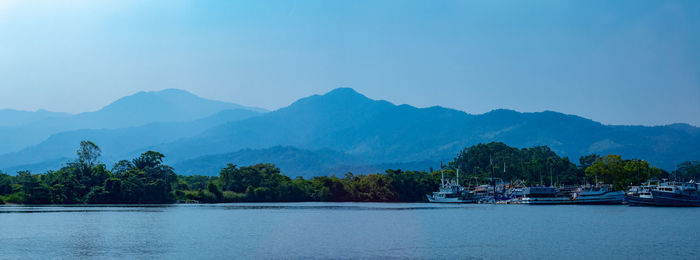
<point x="617" y="62"/>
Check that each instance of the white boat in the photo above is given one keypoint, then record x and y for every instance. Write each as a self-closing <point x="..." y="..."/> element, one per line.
<point x="641" y="195"/>
<point x="450" y="192"/>
<point x="599" y="195"/>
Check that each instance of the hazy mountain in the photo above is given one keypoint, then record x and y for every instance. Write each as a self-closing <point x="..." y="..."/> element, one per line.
<point x="378" y="131"/>
<point x="40" y="167"/>
<point x="116" y="144"/>
<point x="11" y="117"/>
<point x="170" y="105"/>
<point x="293" y="162"/>
<point x="345" y="131"/>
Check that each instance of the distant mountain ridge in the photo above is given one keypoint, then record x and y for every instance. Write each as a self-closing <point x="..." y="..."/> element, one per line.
<point x="169" y="105"/>
<point x="378" y="131"/>
<point x="119" y="143"/>
<point x="344" y="130"/>
<point x="12" y="117"/>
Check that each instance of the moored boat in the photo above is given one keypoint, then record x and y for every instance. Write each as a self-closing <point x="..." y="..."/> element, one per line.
<point x="640" y="196"/>
<point x="451" y="192"/>
<point x="543" y="196"/>
<point x="599" y="195"/>
<point x="667" y="194"/>
<point x="676" y="194"/>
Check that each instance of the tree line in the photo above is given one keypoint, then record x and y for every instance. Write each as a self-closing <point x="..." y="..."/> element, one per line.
<point x="146" y="180"/>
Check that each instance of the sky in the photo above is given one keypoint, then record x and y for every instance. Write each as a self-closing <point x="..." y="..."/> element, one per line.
<point x="616" y="62"/>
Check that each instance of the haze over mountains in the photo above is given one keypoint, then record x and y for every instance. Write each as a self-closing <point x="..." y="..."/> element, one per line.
<point x="319" y="135"/>
<point x="142" y="108"/>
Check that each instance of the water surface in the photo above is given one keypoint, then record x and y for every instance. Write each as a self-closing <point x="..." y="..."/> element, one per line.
<point x="348" y="230"/>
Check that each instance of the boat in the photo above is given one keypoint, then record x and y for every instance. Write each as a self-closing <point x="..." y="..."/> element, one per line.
<point x="640" y="195"/>
<point x="543" y="196"/>
<point x="599" y="195"/>
<point x="451" y="192"/>
<point x="668" y="194"/>
<point x="515" y="190"/>
<point x="676" y="194"/>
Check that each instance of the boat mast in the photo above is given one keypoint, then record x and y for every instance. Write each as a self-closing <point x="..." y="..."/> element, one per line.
<point x="551" y="178"/>
<point x="491" y="180"/>
<point x="442" y="177"/>
<point x="457" y="175"/>
<point x="491" y="164"/>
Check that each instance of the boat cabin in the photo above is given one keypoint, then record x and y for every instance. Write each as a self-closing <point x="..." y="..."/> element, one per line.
<point x="539" y="192"/>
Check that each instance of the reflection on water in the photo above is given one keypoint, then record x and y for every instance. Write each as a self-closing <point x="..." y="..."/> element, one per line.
<point x="347" y="230"/>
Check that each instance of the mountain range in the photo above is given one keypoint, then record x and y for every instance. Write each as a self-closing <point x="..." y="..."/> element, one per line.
<point x="170" y="105"/>
<point x="333" y="133"/>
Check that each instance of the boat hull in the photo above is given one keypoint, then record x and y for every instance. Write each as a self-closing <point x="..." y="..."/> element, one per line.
<point x="610" y="198"/>
<point x="546" y="201"/>
<point x="674" y="200"/>
<point x="637" y="201"/>
<point x="449" y="200"/>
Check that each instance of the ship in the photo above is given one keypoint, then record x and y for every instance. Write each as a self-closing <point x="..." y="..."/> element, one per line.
<point x="668" y="194"/>
<point x="543" y="196"/>
<point x="599" y="195"/>
<point x="640" y="195"/>
<point x="676" y="194"/>
<point x="451" y="192"/>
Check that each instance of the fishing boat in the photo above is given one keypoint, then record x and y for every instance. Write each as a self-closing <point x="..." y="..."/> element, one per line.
<point x="676" y="194"/>
<point x="640" y="195"/>
<point x="451" y="192"/>
<point x="669" y="194"/>
<point x="599" y="195"/>
<point x="515" y="190"/>
<point x="543" y="196"/>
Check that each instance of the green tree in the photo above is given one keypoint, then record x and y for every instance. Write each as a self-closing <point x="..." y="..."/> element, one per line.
<point x="612" y="169"/>
<point x="688" y="170"/>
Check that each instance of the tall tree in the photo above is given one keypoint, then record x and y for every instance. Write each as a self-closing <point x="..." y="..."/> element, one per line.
<point x="88" y="153"/>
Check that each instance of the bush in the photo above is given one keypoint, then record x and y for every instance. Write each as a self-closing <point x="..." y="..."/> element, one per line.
<point x="230" y="196"/>
<point x="207" y="197"/>
<point x="13" y="198"/>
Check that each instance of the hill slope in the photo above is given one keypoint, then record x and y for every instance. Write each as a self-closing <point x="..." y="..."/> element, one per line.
<point x="116" y="144"/>
<point x="11" y="117"/>
<point x="378" y="132"/>
<point x="293" y="162"/>
<point x="170" y="105"/>
<point x="343" y="131"/>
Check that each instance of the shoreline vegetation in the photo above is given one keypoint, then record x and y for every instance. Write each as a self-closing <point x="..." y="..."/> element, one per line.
<point x="146" y="180"/>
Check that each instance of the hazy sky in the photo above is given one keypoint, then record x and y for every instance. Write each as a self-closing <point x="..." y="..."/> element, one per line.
<point x="619" y="62"/>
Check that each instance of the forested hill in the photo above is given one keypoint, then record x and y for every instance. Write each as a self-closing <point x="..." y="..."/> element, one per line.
<point x="294" y="161"/>
<point x="145" y="179"/>
<point x="378" y="131"/>
<point x="116" y="143"/>
<point x="342" y="130"/>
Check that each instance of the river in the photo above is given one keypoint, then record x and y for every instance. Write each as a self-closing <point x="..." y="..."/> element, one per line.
<point x="348" y="230"/>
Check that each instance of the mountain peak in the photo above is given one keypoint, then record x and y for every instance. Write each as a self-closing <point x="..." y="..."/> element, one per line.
<point x="345" y="96"/>
<point x="172" y="92"/>
<point x="343" y="92"/>
<point x="167" y="105"/>
<point x="339" y="98"/>
<point x="164" y="93"/>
